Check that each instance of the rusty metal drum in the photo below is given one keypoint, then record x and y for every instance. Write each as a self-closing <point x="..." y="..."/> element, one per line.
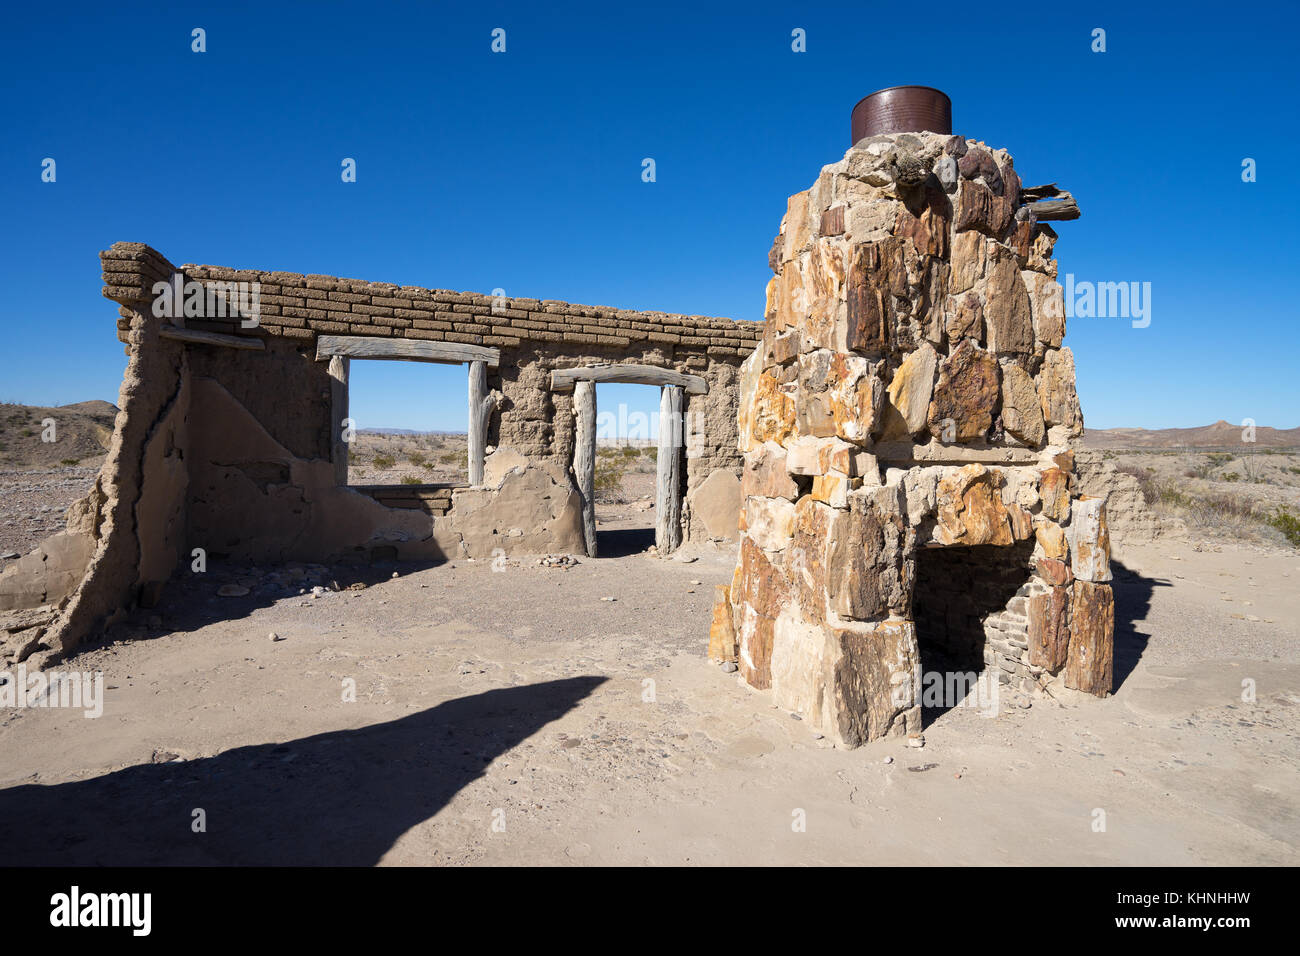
<point x="901" y="109"/>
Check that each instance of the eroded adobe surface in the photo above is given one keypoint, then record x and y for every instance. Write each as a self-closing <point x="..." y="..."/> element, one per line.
<point x="912" y="392"/>
<point x="228" y="444"/>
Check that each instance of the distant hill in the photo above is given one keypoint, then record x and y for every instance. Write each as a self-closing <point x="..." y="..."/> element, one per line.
<point x="81" y="433"/>
<point x="1221" y="434"/>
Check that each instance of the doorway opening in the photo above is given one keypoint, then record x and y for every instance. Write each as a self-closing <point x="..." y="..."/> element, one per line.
<point x="627" y="448"/>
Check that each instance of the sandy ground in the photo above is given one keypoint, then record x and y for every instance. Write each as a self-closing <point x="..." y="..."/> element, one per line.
<point x="515" y="717"/>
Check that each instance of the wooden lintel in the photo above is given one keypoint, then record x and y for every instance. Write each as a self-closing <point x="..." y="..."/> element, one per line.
<point x="195" y="337"/>
<point x="563" y="379"/>
<point x="404" y="350"/>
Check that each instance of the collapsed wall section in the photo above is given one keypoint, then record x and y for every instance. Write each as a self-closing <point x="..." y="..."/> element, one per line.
<point x="128" y="533"/>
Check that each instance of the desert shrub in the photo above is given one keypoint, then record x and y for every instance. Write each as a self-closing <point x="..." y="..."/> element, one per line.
<point x="1224" y="513"/>
<point x="1231" y="476"/>
<point x="1288" y="524"/>
<point x="630" y="452"/>
<point x="70" y="461"/>
<point x="1219" y="458"/>
<point x="415" y="458"/>
<point x="452" y="457"/>
<point x="384" y="461"/>
<point x="410" y="479"/>
<point x="609" y="481"/>
<point x="27" y="433"/>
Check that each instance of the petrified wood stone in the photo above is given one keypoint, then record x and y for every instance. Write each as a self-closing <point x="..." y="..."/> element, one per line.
<point x="1092" y="629"/>
<point x="965" y="396"/>
<point x="877" y="276"/>
<point x="1049" y="633"/>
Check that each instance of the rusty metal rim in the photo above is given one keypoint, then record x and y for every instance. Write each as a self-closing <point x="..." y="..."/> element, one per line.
<point x="903" y="86"/>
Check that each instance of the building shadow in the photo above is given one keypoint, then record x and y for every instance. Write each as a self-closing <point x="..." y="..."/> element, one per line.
<point x="341" y="798"/>
<point x="621" y="542"/>
<point x="1132" y="592"/>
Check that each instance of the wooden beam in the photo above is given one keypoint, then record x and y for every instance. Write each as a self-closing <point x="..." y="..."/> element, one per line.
<point x="1034" y="193"/>
<point x="668" y="486"/>
<point x="481" y="406"/>
<point x="1056" y="210"/>
<point x="195" y="337"/>
<point x="563" y="379"/>
<point x="404" y="350"/>
<point x="1049" y="203"/>
<point x="338" y="373"/>
<point x="584" y="458"/>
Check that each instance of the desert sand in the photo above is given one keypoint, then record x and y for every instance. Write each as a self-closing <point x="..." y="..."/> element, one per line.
<point x="517" y="716"/>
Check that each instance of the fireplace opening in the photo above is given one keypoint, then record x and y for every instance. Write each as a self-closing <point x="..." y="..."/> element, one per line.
<point x="970" y="605"/>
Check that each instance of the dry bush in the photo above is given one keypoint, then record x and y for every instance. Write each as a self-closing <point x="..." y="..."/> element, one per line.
<point x="1225" y="514"/>
<point x="609" y="482"/>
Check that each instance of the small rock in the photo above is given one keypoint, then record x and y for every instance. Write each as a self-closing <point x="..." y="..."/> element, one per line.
<point x="8" y="554"/>
<point x="609" y="599"/>
<point x="916" y="740"/>
<point x="888" y="760"/>
<point x="274" y="637"/>
<point x="394" y="574"/>
<point x="729" y="667"/>
<point x="232" y="590"/>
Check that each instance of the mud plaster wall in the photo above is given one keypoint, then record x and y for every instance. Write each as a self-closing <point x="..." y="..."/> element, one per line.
<point x="228" y="450"/>
<point x="124" y="538"/>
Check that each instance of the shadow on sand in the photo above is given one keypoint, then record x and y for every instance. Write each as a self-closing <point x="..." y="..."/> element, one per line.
<point x="341" y="798"/>
<point x="621" y="542"/>
<point x="1132" y="602"/>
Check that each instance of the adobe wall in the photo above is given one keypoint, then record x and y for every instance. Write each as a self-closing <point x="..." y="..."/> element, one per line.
<point x="228" y="449"/>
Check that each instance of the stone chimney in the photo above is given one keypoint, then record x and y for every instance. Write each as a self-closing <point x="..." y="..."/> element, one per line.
<point x="908" y="488"/>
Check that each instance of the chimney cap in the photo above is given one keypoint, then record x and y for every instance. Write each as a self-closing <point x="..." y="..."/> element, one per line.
<point x="901" y="109"/>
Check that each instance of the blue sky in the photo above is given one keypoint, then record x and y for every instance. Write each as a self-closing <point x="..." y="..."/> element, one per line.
<point x="522" y="170"/>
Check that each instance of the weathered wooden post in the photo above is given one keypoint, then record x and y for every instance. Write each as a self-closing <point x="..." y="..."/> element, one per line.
<point x="338" y="372"/>
<point x="584" y="458"/>
<point x="480" y="411"/>
<point x="668" y="499"/>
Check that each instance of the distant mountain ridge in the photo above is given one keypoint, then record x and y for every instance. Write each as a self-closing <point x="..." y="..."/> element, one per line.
<point x="1219" y="435"/>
